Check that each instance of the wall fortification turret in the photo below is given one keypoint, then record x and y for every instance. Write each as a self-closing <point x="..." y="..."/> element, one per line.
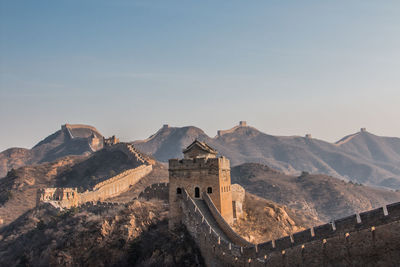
<point x="200" y="171"/>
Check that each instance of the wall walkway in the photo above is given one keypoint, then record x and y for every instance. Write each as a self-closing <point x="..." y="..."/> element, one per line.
<point x="69" y="197"/>
<point x="373" y="237"/>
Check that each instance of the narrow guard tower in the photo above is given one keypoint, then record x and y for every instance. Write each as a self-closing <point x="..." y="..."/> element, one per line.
<point x="200" y="171"/>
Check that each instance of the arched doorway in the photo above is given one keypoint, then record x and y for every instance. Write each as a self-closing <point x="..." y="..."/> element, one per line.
<point x="197" y="192"/>
<point x="179" y="191"/>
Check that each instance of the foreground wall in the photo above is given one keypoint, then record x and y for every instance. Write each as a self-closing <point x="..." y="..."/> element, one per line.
<point x="370" y="239"/>
<point x="223" y="225"/>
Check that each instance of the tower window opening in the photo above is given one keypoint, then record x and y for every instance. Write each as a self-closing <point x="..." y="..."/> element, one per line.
<point x="179" y="191"/>
<point x="196" y="192"/>
<point x="209" y="190"/>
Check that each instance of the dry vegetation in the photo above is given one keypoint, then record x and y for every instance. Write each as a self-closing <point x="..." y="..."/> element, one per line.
<point x="264" y="220"/>
<point x="320" y="196"/>
<point x="18" y="190"/>
<point x="135" y="234"/>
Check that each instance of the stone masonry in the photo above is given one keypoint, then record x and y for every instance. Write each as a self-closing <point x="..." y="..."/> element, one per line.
<point x="367" y="239"/>
<point x="70" y="197"/>
<point x="200" y="171"/>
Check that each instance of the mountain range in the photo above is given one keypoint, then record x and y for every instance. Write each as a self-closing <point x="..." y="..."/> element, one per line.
<point x="320" y="196"/>
<point x="361" y="157"/>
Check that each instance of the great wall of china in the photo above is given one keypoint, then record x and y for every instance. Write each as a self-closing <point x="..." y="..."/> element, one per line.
<point x="345" y="240"/>
<point x="113" y="186"/>
<point x="356" y="240"/>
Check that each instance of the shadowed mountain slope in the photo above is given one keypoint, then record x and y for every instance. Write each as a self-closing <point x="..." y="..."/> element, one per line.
<point x="134" y="234"/>
<point x="70" y="140"/>
<point x="361" y="157"/>
<point x="18" y="190"/>
<point x="168" y="141"/>
<point x="383" y="152"/>
<point x="320" y="195"/>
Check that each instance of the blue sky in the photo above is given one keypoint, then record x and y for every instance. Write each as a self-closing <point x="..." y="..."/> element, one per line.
<point x="127" y="67"/>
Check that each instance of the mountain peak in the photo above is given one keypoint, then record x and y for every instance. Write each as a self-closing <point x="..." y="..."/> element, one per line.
<point x="241" y="125"/>
<point x="348" y="138"/>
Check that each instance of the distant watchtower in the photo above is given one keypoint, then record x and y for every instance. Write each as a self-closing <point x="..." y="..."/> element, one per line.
<point x="200" y="172"/>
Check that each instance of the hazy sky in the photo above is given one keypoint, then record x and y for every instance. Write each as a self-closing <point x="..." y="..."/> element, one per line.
<point x="127" y="67"/>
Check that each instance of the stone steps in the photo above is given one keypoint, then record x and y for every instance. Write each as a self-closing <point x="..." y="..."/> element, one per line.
<point x="201" y="204"/>
<point x="136" y="153"/>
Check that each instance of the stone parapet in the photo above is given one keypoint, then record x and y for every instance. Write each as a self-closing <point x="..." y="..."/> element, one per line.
<point x="344" y="241"/>
<point x="69" y="197"/>
<point x="132" y="153"/>
<point x="158" y="191"/>
<point x="225" y="227"/>
<point x="199" y="163"/>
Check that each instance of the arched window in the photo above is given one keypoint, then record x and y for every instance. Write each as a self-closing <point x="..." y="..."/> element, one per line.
<point x="179" y="191"/>
<point x="196" y="192"/>
<point x="209" y="190"/>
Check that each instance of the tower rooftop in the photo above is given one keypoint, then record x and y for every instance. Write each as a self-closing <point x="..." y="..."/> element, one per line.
<point x="199" y="149"/>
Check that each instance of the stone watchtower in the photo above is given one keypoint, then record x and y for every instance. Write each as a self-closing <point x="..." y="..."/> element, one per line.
<point x="200" y="172"/>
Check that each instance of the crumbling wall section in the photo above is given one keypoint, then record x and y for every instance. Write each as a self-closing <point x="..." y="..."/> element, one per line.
<point x="158" y="191"/>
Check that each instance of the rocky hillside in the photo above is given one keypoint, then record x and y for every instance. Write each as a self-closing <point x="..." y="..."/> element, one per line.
<point x="264" y="220"/>
<point x="18" y="190"/>
<point x="322" y="196"/>
<point x="131" y="234"/>
<point x="70" y="140"/>
<point x="135" y="234"/>
<point x="361" y="157"/>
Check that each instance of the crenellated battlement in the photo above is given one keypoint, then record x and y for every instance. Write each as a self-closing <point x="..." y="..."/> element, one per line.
<point x="200" y="171"/>
<point x="70" y="197"/>
<point x="159" y="191"/>
<point x="241" y="124"/>
<point x="110" y="141"/>
<point x="133" y="153"/>
<point x="310" y="246"/>
<point x="355" y="222"/>
<point x="199" y="163"/>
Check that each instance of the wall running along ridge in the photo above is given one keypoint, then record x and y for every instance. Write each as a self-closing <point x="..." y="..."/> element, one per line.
<point x="79" y="126"/>
<point x="368" y="239"/>
<point x="70" y="197"/>
<point x="132" y="153"/>
<point x="372" y="238"/>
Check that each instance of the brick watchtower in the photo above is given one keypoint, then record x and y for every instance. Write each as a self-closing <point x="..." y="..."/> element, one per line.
<point x="200" y="171"/>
